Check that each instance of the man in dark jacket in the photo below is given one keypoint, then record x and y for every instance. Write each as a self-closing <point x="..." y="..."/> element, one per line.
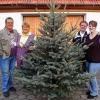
<point x="81" y="35"/>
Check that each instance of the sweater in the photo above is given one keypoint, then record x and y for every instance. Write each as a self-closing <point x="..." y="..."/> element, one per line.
<point x="93" y="52"/>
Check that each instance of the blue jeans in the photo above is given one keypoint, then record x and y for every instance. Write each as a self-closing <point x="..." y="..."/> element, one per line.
<point x="7" y="68"/>
<point x="93" y="85"/>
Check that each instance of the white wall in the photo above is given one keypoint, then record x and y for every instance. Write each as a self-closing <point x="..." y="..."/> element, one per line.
<point x="94" y="16"/>
<point x="18" y="18"/>
<point x="90" y="16"/>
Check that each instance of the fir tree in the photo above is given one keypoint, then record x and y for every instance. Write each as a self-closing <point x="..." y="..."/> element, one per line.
<point x="54" y="66"/>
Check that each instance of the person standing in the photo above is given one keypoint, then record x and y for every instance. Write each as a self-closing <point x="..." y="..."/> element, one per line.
<point x="80" y="38"/>
<point x="25" y="43"/>
<point x="8" y="37"/>
<point x="93" y="58"/>
<point x="81" y="35"/>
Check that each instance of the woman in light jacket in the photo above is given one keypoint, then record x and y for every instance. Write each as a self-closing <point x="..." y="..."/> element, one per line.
<point x="25" y="43"/>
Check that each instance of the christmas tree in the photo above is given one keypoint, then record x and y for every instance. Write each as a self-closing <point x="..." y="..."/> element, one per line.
<point x="54" y="66"/>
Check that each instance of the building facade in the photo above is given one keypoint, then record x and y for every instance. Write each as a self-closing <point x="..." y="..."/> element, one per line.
<point x="29" y="11"/>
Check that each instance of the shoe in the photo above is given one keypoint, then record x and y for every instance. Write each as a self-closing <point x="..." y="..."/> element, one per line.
<point x="88" y="93"/>
<point x="91" y="97"/>
<point x="6" y="94"/>
<point x="12" y="89"/>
